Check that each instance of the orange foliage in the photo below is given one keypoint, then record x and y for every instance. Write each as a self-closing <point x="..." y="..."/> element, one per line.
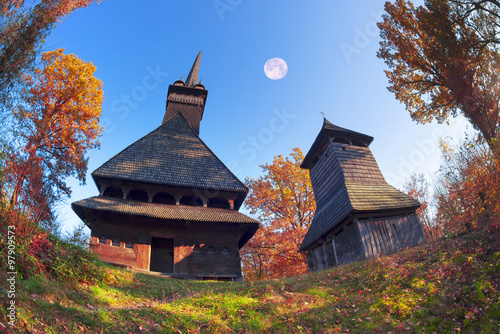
<point x="50" y="9"/>
<point x="57" y="123"/>
<point x="283" y="201"/>
<point x="440" y="62"/>
<point x="22" y="32"/>
<point x="468" y="193"/>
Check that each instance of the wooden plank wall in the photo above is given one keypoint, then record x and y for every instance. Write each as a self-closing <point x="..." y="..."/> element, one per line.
<point x="348" y="245"/>
<point x="312" y="261"/>
<point x="348" y="248"/>
<point x="321" y="257"/>
<point x="383" y="236"/>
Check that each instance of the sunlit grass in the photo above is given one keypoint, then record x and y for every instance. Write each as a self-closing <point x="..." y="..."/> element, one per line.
<point x="448" y="286"/>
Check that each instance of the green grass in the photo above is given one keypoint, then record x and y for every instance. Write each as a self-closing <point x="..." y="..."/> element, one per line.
<point x="448" y="286"/>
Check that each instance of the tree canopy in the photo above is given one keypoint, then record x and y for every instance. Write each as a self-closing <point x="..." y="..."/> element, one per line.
<point x="283" y="200"/>
<point x="56" y="123"/>
<point x="23" y="28"/>
<point x="443" y="58"/>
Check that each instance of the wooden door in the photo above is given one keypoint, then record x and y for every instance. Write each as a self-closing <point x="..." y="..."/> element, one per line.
<point x="162" y="255"/>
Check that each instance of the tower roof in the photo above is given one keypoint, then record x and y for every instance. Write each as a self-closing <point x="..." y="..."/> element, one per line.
<point x="171" y="155"/>
<point x="336" y="133"/>
<point x="187" y="98"/>
<point x="192" y="78"/>
<point x="347" y="181"/>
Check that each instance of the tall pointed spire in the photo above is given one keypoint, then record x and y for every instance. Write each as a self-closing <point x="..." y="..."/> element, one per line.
<point x="187" y="98"/>
<point x="192" y="78"/>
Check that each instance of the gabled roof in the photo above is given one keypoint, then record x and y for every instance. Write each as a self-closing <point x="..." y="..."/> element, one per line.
<point x="171" y="155"/>
<point x="330" y="130"/>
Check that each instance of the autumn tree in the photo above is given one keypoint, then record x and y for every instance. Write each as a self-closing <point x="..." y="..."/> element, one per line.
<point x="443" y="59"/>
<point x="419" y="189"/>
<point x="283" y="201"/>
<point x="56" y="123"/>
<point x="468" y="188"/>
<point x="481" y="10"/>
<point x="23" y="27"/>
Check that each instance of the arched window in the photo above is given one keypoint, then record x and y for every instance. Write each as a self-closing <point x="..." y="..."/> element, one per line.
<point x="164" y="198"/>
<point x="138" y="195"/>
<point x="211" y="251"/>
<point x="197" y="250"/>
<point x="225" y="252"/>
<point x="129" y="244"/>
<point x="114" y="192"/>
<point x="102" y="239"/>
<point x="116" y="242"/>
<point x="218" y="203"/>
<point x="191" y="200"/>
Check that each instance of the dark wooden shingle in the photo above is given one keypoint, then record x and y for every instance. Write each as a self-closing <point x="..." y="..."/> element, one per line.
<point x="171" y="155"/>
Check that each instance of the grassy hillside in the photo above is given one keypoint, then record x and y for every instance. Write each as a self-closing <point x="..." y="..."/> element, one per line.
<point x="448" y="286"/>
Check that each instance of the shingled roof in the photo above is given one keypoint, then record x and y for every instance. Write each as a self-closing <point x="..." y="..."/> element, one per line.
<point x="165" y="212"/>
<point x="171" y="155"/>
<point x="357" y="185"/>
<point x="330" y="130"/>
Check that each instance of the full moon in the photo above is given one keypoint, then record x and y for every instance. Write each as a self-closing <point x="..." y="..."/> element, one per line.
<point x="275" y="68"/>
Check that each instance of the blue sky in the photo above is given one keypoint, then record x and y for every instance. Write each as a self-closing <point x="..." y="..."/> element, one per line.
<point x="139" y="48"/>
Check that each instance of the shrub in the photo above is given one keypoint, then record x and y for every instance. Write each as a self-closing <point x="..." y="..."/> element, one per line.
<point x="37" y="252"/>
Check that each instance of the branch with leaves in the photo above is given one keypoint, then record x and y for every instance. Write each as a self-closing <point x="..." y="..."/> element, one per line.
<point x="57" y="122"/>
<point x="443" y="58"/>
<point x="283" y="200"/>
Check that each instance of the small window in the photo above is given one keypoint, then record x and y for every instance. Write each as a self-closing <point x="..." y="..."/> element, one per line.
<point x="218" y="203"/>
<point x="191" y="200"/>
<point x="102" y="239"/>
<point x="129" y="244"/>
<point x="211" y="251"/>
<point x="225" y="252"/>
<point x="116" y="242"/>
<point x="357" y="143"/>
<point x="164" y="198"/>
<point x="341" y="140"/>
<point x="114" y="192"/>
<point x="197" y="250"/>
<point x="138" y="195"/>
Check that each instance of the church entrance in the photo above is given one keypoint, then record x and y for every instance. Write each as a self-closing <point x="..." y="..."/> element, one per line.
<point x="162" y="255"/>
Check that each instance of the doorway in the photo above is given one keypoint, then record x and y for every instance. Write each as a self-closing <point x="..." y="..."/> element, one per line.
<point x="162" y="255"/>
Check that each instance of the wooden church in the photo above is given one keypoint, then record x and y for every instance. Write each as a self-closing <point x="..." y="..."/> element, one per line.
<point x="166" y="203"/>
<point x="358" y="214"/>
